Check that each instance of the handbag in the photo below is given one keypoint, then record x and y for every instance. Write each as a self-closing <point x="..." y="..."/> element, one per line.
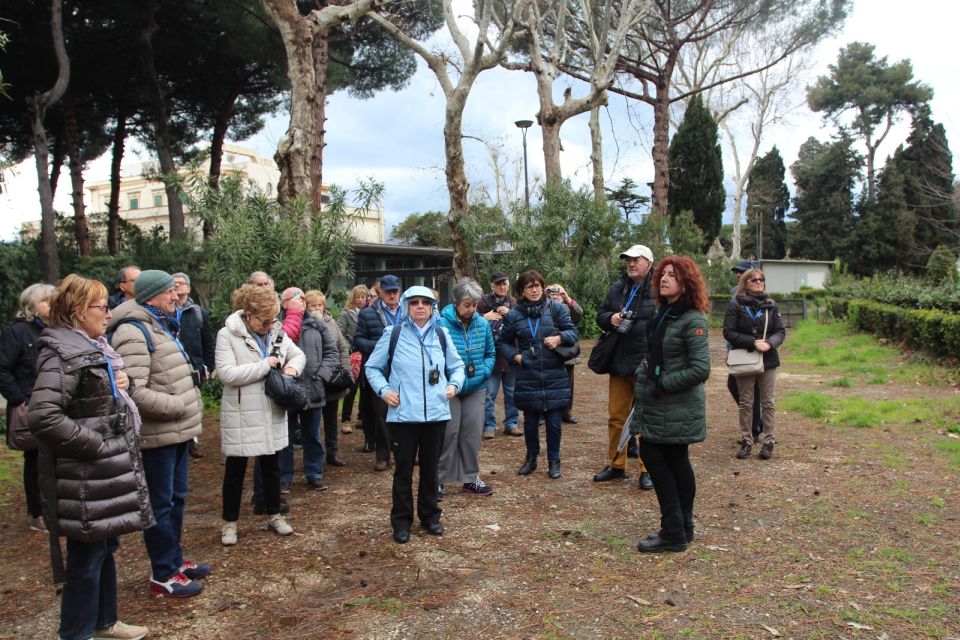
<point x="567" y="353"/>
<point x="741" y="362"/>
<point x="602" y="354"/>
<point x="356" y="359"/>
<point x="286" y="391"/>
<point x="340" y="380"/>
<point x="19" y="436"/>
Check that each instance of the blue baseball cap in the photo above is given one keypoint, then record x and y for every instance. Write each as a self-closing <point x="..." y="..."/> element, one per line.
<point x="745" y="265"/>
<point x="389" y="283"/>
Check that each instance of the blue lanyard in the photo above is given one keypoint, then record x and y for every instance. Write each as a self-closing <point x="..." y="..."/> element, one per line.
<point x="427" y="330"/>
<point x="753" y="316"/>
<point x="176" y="340"/>
<point x="112" y="376"/>
<point x="534" y="328"/>
<point x="633" y="292"/>
<point x="263" y="346"/>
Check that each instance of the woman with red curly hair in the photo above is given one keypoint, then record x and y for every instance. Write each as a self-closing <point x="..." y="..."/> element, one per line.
<point x="669" y="398"/>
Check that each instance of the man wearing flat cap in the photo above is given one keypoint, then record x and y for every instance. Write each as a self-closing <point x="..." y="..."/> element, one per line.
<point x="494" y="308"/>
<point x="627" y="309"/>
<point x="166" y="389"/>
<point x="371" y="323"/>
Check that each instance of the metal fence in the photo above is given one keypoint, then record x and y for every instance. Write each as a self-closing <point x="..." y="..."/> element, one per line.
<point x="792" y="310"/>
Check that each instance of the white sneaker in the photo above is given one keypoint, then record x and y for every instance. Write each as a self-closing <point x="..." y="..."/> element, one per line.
<point x="228" y="535"/>
<point x="278" y="524"/>
<point x="121" y="631"/>
<point x="36" y="524"/>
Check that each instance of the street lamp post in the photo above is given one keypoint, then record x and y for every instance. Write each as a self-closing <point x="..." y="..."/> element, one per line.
<point x="524" y="125"/>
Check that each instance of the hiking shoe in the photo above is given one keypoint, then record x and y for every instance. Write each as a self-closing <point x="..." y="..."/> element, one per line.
<point x="478" y="488"/>
<point x="345" y="427"/>
<point x="489" y="434"/>
<point x="285" y="487"/>
<point x="645" y="482"/>
<point x="121" y="631"/>
<point x="260" y="508"/>
<point x="766" y="451"/>
<point x="745" y="448"/>
<point x="317" y="484"/>
<point x="278" y="524"/>
<point x="198" y="570"/>
<point x="36" y="524"/>
<point x="512" y="431"/>
<point x="228" y="534"/>
<point x="179" y="586"/>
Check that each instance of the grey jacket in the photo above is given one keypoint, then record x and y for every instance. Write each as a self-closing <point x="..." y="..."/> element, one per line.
<point x="319" y="345"/>
<point x="91" y="473"/>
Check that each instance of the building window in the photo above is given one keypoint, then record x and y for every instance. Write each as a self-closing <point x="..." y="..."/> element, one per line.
<point x="133" y="201"/>
<point x="158" y="198"/>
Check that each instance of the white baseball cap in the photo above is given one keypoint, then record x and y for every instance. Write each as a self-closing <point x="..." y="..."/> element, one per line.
<point x="638" y="251"/>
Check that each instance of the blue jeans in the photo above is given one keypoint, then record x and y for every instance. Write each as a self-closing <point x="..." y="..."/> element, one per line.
<point x="167" y="479"/>
<point x="309" y="424"/>
<point x="89" y="599"/>
<point x="511" y="415"/>
<point x="531" y="432"/>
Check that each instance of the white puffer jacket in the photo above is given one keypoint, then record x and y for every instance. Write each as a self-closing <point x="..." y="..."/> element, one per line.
<point x="251" y="424"/>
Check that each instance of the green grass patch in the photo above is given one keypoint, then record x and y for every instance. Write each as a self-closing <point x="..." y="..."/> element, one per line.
<point x="856" y="412"/>
<point x="844" y="382"/>
<point x="810" y="403"/>
<point x="951" y="448"/>
<point x="833" y="348"/>
<point x="11" y="469"/>
<point x="938" y="502"/>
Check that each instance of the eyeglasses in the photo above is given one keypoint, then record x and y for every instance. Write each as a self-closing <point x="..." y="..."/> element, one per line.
<point x="533" y="285"/>
<point x="266" y="323"/>
<point x="419" y="302"/>
<point x="102" y="307"/>
<point x="756" y="280"/>
<point x="180" y="284"/>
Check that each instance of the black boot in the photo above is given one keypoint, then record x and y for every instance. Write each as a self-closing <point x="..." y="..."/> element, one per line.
<point x="554" y="471"/>
<point x="633" y="451"/>
<point x="529" y="465"/>
<point x="745" y="448"/>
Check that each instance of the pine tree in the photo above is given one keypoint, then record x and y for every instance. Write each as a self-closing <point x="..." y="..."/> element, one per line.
<point x="824" y="174"/>
<point x="696" y="171"/>
<point x="768" y="197"/>
<point x="878" y="238"/>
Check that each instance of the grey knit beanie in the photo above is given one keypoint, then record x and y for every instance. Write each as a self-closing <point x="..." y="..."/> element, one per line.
<point x="151" y="283"/>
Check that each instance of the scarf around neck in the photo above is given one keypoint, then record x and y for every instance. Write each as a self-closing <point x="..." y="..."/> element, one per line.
<point x="659" y="330"/>
<point x="116" y="363"/>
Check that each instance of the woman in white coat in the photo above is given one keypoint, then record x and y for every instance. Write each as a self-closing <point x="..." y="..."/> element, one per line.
<point x="251" y="424"/>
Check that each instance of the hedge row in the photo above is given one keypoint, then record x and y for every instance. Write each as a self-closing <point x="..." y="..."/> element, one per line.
<point x="901" y="291"/>
<point x="931" y="330"/>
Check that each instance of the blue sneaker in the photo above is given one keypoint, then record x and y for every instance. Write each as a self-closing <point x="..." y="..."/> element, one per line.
<point x="194" y="570"/>
<point x="179" y="586"/>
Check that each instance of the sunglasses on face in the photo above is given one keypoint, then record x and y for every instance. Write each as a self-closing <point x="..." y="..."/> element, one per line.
<point x="419" y="302"/>
<point x="757" y="280"/>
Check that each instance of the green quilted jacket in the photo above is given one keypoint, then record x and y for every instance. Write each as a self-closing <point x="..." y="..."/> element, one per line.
<point x="672" y="409"/>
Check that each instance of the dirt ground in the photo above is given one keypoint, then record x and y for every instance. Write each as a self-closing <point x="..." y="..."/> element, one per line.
<point x="846" y="533"/>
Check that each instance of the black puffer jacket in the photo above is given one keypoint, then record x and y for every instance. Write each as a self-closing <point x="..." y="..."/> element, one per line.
<point x="18" y="363"/>
<point x="632" y="347"/>
<point x="740" y="329"/>
<point x="320" y="348"/>
<point x="91" y="473"/>
<point x="542" y="381"/>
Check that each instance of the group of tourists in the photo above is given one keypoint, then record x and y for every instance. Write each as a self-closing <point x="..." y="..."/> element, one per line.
<point x="103" y="396"/>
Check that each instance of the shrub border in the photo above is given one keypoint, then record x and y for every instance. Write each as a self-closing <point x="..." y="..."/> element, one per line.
<point x="931" y="330"/>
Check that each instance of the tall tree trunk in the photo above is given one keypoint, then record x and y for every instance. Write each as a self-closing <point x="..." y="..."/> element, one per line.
<point x="113" y="206"/>
<point x="464" y="263"/>
<point x="81" y="229"/>
<point x="661" y="144"/>
<point x="321" y="49"/>
<point x="596" y="154"/>
<point x="59" y="153"/>
<point x="220" y="127"/>
<point x="158" y="115"/>
<point x="38" y="105"/>
<point x="295" y="150"/>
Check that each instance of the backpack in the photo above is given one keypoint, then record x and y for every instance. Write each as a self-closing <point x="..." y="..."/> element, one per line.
<point x="151" y="347"/>
<point x="395" y="337"/>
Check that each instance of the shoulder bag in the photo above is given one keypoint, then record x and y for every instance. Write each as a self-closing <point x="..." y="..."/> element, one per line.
<point x="285" y="390"/>
<point x="741" y="362"/>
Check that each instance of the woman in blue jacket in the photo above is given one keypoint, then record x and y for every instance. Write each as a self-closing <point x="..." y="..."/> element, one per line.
<point x="459" y="456"/>
<point x="531" y="333"/>
<point x="416" y="381"/>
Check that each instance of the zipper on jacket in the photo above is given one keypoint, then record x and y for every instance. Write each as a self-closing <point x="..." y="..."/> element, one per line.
<point x="423" y="374"/>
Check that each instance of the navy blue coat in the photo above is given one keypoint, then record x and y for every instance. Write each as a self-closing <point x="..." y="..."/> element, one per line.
<point x="542" y="381"/>
<point x="371" y="322"/>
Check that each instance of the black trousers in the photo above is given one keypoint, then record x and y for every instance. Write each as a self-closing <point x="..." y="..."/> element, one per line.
<point x="411" y="439"/>
<point x="233" y="472"/>
<point x="330" y="412"/>
<point x="734" y="390"/>
<point x="373" y="414"/>
<point x="348" y="400"/>
<point x="675" y="485"/>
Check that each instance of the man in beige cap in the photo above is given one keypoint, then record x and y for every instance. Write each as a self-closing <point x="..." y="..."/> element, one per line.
<point x="627" y="310"/>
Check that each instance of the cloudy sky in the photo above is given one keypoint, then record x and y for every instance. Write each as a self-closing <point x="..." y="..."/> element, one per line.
<point x="397" y="137"/>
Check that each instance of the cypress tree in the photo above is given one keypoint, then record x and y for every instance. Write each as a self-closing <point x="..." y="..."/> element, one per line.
<point x="768" y="198"/>
<point x="696" y="171"/>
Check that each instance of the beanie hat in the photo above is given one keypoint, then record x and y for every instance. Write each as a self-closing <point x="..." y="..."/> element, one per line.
<point x="150" y="283"/>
